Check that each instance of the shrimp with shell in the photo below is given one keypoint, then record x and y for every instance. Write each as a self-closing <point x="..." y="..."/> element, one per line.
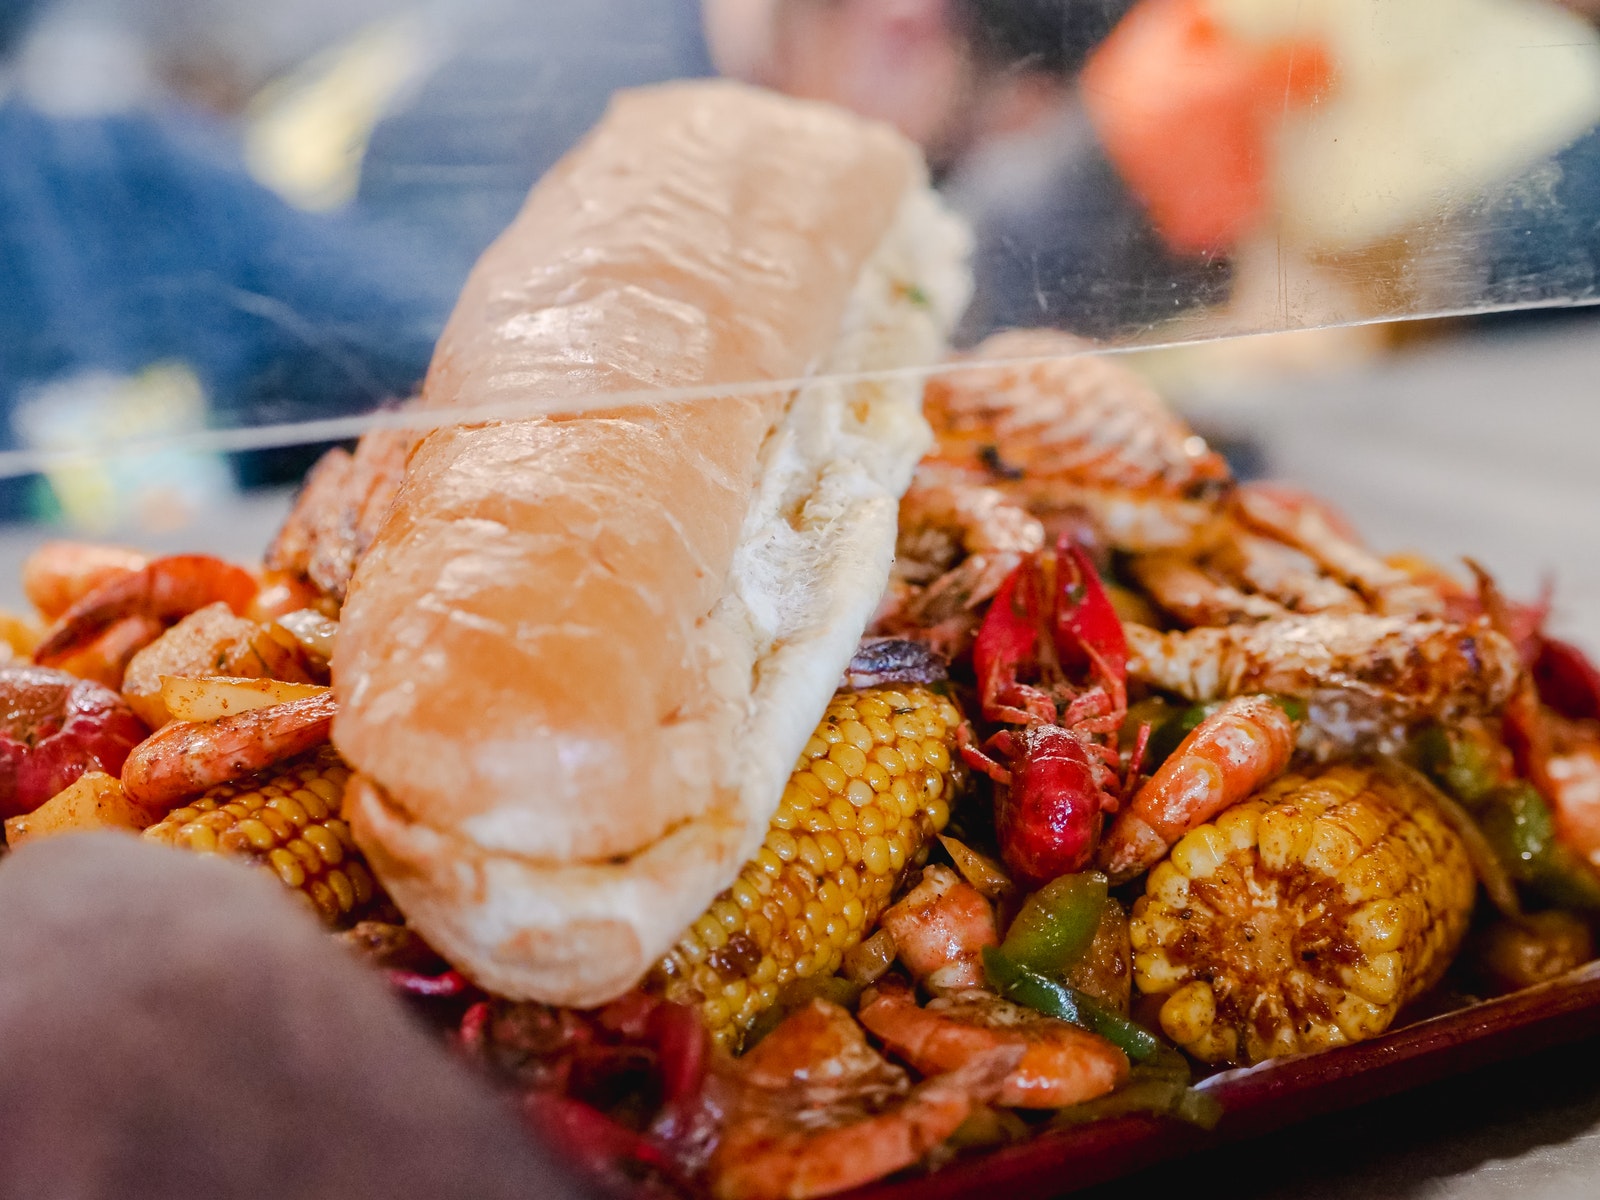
<point x="1057" y="1063"/>
<point x="940" y="930"/>
<point x="186" y="758"/>
<point x="813" y="1109"/>
<point x="956" y="546"/>
<point x="163" y="591"/>
<point x="1244" y="745"/>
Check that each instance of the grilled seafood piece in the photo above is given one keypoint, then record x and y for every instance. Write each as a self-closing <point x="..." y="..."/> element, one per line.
<point x="1358" y="665"/>
<point x="1287" y="576"/>
<point x="1186" y="590"/>
<point x="1242" y="577"/>
<point x="338" y="511"/>
<point x="1281" y="552"/>
<point x="1235" y="751"/>
<point x="813" y="1110"/>
<point x="212" y="641"/>
<point x="1305" y="524"/>
<point x="956" y="545"/>
<point x="186" y="758"/>
<point x="1079" y="433"/>
<point x="1302" y="919"/>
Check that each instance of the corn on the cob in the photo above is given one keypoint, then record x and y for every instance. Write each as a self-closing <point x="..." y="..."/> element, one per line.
<point x="1303" y="918"/>
<point x="287" y="820"/>
<point x="872" y="787"/>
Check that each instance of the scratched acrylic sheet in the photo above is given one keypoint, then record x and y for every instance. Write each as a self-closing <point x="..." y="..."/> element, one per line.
<point x="241" y="227"/>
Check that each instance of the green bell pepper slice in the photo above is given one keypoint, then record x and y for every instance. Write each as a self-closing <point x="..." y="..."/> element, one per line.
<point x="1057" y="923"/>
<point x="1520" y="828"/>
<point x="1032" y="990"/>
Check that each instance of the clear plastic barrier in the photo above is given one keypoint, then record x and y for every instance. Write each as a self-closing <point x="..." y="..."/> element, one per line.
<point x="232" y="227"/>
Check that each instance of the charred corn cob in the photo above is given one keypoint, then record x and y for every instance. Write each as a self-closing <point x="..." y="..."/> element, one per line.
<point x="872" y="787"/>
<point x="1303" y="918"/>
<point x="286" y="820"/>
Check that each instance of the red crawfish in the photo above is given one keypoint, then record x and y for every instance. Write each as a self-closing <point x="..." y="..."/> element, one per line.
<point x="1051" y="659"/>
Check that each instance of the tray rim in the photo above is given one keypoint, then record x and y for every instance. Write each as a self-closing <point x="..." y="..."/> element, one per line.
<point x="1273" y="1095"/>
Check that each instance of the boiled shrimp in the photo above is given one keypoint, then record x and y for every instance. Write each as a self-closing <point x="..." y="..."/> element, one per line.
<point x="1405" y="669"/>
<point x="940" y="928"/>
<point x="105" y="660"/>
<point x="1570" y="781"/>
<point x="1239" y="748"/>
<point x="813" y="1110"/>
<point x="186" y="758"/>
<point x="956" y="546"/>
<point x="1060" y="1064"/>
<point x="163" y="591"/>
<point x="59" y="574"/>
<point x="1076" y="432"/>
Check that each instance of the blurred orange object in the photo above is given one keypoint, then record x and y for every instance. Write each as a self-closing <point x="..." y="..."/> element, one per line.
<point x="1186" y="110"/>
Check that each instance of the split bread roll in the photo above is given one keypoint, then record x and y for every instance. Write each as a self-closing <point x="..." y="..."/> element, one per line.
<point x="578" y="663"/>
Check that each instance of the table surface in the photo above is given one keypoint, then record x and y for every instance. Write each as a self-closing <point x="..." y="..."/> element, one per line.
<point x="1484" y="446"/>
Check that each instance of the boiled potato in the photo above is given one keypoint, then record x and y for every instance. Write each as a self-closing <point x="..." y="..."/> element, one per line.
<point x="211" y="697"/>
<point x="94" y="802"/>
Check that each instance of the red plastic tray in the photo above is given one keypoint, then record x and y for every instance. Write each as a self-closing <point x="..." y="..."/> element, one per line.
<point x="1273" y="1095"/>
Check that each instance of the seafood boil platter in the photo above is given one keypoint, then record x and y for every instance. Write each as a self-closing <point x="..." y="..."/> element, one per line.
<point x="783" y="756"/>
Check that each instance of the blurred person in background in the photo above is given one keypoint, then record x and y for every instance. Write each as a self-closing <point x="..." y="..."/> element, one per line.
<point x="988" y="87"/>
<point x="984" y="86"/>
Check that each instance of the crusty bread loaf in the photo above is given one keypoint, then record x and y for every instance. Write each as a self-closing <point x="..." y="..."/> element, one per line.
<point x="582" y="654"/>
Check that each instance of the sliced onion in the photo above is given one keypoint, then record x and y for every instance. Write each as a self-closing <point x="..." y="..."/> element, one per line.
<point x="981" y="871"/>
<point x="312" y="630"/>
<point x="867" y="962"/>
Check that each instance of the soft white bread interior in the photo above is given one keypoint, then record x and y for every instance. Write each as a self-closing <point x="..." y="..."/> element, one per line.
<point x="583" y="654"/>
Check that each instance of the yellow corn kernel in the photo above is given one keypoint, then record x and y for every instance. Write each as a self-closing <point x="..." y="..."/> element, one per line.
<point x="281" y="820"/>
<point x="854" y="812"/>
<point x="1304" y="918"/>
